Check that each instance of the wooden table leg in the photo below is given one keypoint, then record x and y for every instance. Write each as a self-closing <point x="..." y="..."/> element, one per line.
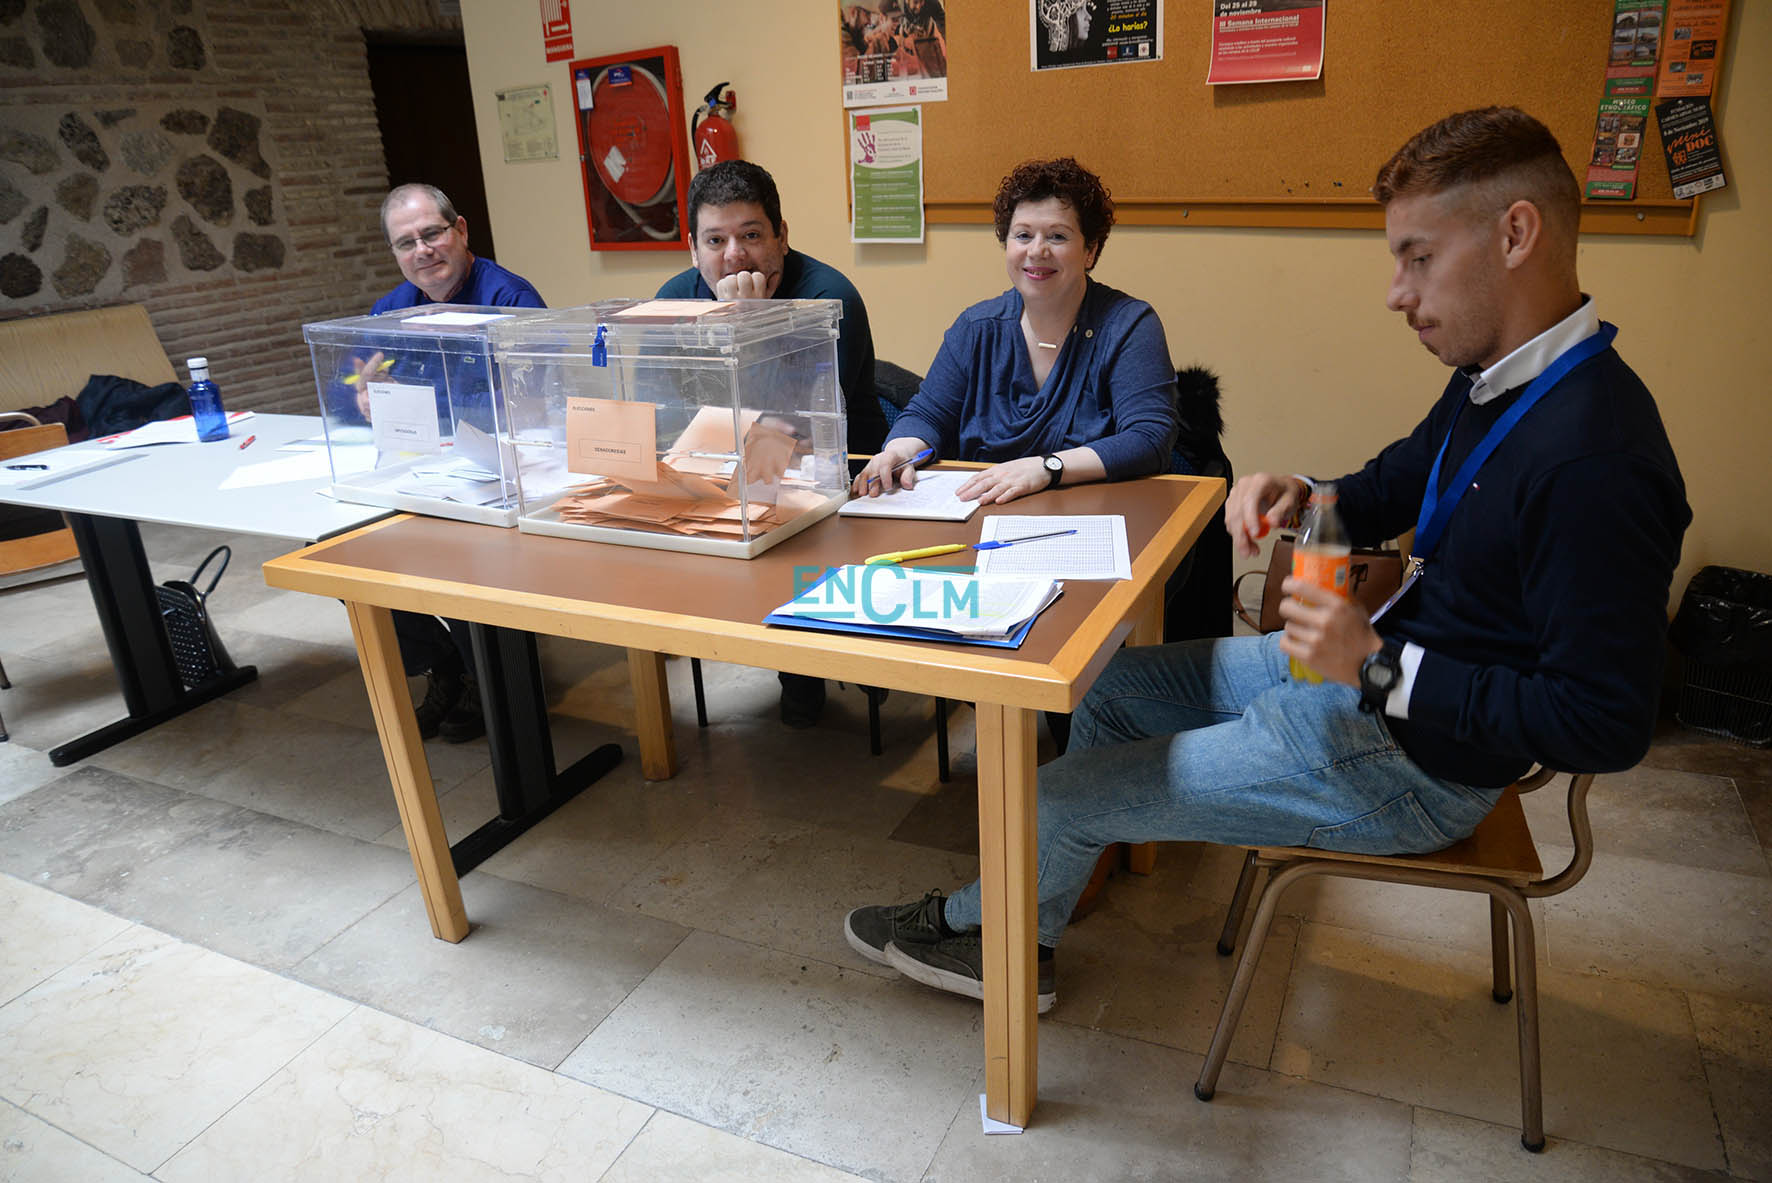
<point x="1147" y="626"/>
<point x="652" y="714"/>
<point x="378" y="652"/>
<point x="1006" y="841"/>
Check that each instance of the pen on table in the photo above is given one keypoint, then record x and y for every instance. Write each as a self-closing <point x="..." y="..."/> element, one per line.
<point x="26" y="467"/>
<point x="246" y="441"/>
<point x="899" y="556"/>
<point x="917" y="459"/>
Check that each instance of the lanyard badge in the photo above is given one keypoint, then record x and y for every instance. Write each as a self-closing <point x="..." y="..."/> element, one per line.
<point x="1436" y="510"/>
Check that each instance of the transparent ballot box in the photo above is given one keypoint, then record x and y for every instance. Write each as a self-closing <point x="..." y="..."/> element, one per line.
<point x="692" y="425"/>
<point x="413" y="415"/>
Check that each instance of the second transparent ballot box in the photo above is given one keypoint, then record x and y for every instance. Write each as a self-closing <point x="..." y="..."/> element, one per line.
<point x="693" y="425"/>
<point x="413" y="413"/>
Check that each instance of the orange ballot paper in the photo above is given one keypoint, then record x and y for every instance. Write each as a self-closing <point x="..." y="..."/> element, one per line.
<point x="612" y="437"/>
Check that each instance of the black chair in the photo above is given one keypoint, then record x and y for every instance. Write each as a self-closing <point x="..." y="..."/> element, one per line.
<point x="1194" y="603"/>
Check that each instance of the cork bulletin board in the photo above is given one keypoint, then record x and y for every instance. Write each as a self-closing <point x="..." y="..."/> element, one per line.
<point x="1175" y="151"/>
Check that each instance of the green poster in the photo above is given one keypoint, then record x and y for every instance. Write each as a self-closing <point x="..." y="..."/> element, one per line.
<point x="886" y="174"/>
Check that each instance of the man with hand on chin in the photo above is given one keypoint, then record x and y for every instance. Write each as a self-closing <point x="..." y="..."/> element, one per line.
<point x="738" y="242"/>
<point x="739" y="245"/>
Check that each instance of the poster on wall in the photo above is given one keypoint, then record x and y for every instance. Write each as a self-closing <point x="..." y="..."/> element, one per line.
<point x="526" y="123"/>
<point x="1636" y="47"/>
<point x="556" y="29"/>
<point x="1694" y="37"/>
<point x="1689" y="137"/>
<point x="633" y="154"/>
<point x="1266" y="41"/>
<point x="1094" y="32"/>
<point x="886" y="174"/>
<point x="893" y="51"/>
<point x="1618" y="144"/>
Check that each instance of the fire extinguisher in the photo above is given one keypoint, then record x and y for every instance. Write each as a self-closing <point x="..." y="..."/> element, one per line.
<point x="711" y="130"/>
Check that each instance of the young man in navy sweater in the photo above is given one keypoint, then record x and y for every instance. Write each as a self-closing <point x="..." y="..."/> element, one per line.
<point x="1549" y="512"/>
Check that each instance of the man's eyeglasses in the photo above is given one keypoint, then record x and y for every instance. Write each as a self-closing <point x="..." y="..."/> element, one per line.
<point x="430" y="237"/>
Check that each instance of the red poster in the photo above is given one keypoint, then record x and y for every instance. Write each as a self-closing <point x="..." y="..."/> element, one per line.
<point x="1266" y="41"/>
<point x="556" y="29"/>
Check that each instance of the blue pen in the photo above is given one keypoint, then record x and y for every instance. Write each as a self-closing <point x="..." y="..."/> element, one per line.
<point x="917" y="459"/>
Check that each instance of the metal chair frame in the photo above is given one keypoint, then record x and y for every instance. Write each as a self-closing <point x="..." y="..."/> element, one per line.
<point x="1508" y="888"/>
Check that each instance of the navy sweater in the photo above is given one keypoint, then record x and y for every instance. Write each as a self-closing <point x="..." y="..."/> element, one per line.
<point x="1544" y="608"/>
<point x="805" y="278"/>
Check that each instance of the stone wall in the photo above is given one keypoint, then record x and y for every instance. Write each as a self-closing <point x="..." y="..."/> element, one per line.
<point x="215" y="160"/>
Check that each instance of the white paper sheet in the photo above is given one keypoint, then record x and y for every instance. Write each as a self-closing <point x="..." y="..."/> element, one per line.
<point x="42" y="468"/>
<point x="1097" y="550"/>
<point x="456" y="318"/>
<point x="182" y="430"/>
<point x="932" y="500"/>
<point x="403" y="417"/>
<point x="301" y="466"/>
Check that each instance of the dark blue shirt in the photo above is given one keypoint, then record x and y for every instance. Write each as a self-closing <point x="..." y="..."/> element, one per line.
<point x="487" y="285"/>
<point x="451" y="369"/>
<point x="1111" y="389"/>
<point x="805" y="278"/>
<point x="1543" y="610"/>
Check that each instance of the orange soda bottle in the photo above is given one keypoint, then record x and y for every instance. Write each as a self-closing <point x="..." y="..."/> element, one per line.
<point x="1321" y="555"/>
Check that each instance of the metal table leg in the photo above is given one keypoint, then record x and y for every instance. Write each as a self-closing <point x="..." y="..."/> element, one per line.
<point x="529" y="786"/>
<point x="123" y="591"/>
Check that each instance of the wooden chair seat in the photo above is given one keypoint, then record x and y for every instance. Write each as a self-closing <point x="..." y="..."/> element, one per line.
<point x="1501" y="846"/>
<point x="35" y="553"/>
<point x="1499" y="860"/>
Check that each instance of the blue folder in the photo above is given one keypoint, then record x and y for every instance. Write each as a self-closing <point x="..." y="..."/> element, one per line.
<point x="903" y="632"/>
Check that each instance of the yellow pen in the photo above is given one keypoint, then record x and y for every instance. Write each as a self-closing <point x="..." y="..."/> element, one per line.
<point x="383" y="368"/>
<point x="899" y="556"/>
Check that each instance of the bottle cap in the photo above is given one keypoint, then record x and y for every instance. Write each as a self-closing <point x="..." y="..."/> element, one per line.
<point x="197" y="363"/>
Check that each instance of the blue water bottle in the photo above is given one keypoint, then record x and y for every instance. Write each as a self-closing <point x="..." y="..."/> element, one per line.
<point x="206" y="404"/>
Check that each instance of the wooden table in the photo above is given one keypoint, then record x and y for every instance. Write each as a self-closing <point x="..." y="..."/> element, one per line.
<point x="655" y="603"/>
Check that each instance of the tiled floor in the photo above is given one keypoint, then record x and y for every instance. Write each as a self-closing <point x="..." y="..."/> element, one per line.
<point x="214" y="964"/>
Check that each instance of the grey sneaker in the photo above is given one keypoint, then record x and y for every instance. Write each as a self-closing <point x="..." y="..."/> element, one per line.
<point x="870" y="930"/>
<point x="956" y="964"/>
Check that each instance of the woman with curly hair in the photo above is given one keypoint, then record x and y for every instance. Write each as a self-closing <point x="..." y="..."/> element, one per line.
<point x="1058" y="381"/>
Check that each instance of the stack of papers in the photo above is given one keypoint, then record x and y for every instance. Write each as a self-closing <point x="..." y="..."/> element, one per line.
<point x="458" y="479"/>
<point x="893" y="601"/>
<point x="693" y="488"/>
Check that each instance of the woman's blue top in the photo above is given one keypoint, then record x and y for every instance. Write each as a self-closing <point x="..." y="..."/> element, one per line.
<point x="1112" y="387"/>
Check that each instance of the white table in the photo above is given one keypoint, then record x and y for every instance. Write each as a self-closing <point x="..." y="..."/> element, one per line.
<point x="179" y="485"/>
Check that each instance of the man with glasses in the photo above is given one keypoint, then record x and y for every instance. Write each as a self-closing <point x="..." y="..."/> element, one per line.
<point x="430" y="242"/>
<point x="739" y="247"/>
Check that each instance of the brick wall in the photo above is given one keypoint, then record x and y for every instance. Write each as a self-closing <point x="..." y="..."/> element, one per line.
<point x="222" y="275"/>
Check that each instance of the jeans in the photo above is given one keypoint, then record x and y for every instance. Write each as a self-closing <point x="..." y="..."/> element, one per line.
<point x="1212" y="741"/>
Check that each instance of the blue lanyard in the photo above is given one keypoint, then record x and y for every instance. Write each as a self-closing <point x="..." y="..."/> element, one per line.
<point x="1437" y="510"/>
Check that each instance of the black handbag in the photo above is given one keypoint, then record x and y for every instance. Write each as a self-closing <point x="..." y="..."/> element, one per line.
<point x="196" y="649"/>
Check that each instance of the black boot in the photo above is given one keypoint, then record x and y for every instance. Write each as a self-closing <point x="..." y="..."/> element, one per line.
<point x="467" y="720"/>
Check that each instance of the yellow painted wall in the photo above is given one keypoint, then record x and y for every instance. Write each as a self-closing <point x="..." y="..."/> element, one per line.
<point x="1316" y="373"/>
